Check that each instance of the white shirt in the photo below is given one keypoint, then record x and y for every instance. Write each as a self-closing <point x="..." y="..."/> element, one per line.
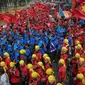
<point x="4" y="80"/>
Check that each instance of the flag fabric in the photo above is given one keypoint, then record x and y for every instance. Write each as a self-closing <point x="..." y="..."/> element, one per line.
<point x="7" y="19"/>
<point x="13" y="19"/>
<point x="79" y="11"/>
<point x="31" y="12"/>
<point x="67" y="14"/>
<point x="73" y="4"/>
<point x="79" y="1"/>
<point x="1" y="17"/>
<point x="61" y="12"/>
<point x="17" y="14"/>
<point x="78" y="14"/>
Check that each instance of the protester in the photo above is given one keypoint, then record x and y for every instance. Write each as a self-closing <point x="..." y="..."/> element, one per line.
<point x="37" y="47"/>
<point x="4" y="79"/>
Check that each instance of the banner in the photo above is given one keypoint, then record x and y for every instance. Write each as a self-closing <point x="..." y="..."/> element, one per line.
<point x="79" y="11"/>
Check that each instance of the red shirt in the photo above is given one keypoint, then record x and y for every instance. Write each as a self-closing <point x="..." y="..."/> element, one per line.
<point x="82" y="70"/>
<point x="64" y="56"/>
<point x="47" y="65"/>
<point x="75" y="64"/>
<point x="24" y="70"/>
<point x="79" y="82"/>
<point x="78" y="51"/>
<point x="34" y="62"/>
<point x="41" y="72"/>
<point x="84" y="46"/>
<point x="15" y="77"/>
<point x="7" y="61"/>
<point x="65" y="45"/>
<point x="47" y="83"/>
<point x="30" y="77"/>
<point x="62" y="73"/>
<point x="35" y="82"/>
<point x="39" y="55"/>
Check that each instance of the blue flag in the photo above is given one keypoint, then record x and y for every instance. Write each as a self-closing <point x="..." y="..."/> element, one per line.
<point x="61" y="12"/>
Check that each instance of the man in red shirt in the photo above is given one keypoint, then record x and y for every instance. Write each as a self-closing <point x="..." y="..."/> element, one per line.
<point x="75" y="61"/>
<point x="24" y="72"/>
<point x="79" y="79"/>
<point x="47" y="61"/>
<point x="51" y="80"/>
<point x="41" y="71"/>
<point x="62" y="71"/>
<point x="38" y="53"/>
<point x="64" y="54"/>
<point x="35" y="78"/>
<point x="14" y="74"/>
<point x="79" y="49"/>
<point x="7" y="59"/>
<point x="34" y="60"/>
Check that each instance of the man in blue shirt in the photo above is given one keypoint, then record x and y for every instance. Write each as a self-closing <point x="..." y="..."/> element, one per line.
<point x="29" y="52"/>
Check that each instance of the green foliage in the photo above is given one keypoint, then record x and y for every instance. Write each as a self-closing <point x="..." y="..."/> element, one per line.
<point x="4" y="4"/>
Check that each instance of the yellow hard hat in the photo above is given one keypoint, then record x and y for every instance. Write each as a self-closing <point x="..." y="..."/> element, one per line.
<point x="34" y="56"/>
<point x="35" y="75"/>
<point x="81" y="60"/>
<point x="37" y="48"/>
<point x="65" y="41"/>
<point x="51" y="79"/>
<point x="64" y="49"/>
<point x="31" y="69"/>
<point x="47" y="58"/>
<point x="77" y="42"/>
<point x="79" y="46"/>
<point x="23" y="51"/>
<point x="83" y="81"/>
<point x="21" y="62"/>
<point x="40" y="63"/>
<point x="29" y="66"/>
<point x="3" y="63"/>
<point x="59" y="83"/>
<point x="61" y="61"/>
<point x="49" y="71"/>
<point x="80" y="76"/>
<point x="45" y="55"/>
<point x="12" y="64"/>
<point x="6" y="54"/>
<point x="77" y="55"/>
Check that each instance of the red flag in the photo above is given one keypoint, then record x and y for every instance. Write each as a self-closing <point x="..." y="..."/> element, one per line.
<point x="73" y="4"/>
<point x="80" y="1"/>
<point x="17" y="14"/>
<point x="1" y="17"/>
<point x="78" y="14"/>
<point x="13" y="19"/>
<point x="79" y="11"/>
<point x="7" y="19"/>
<point x="31" y="12"/>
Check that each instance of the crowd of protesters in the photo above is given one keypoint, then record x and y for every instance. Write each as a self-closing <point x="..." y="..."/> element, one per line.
<point x="29" y="47"/>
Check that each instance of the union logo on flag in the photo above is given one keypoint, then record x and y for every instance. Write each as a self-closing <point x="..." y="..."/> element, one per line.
<point x="82" y="8"/>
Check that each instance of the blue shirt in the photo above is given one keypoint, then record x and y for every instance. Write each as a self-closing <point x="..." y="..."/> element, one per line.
<point x="40" y="43"/>
<point x="16" y="47"/>
<point x="9" y="47"/>
<point x="28" y="52"/>
<point x="32" y="40"/>
<point x="17" y="56"/>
